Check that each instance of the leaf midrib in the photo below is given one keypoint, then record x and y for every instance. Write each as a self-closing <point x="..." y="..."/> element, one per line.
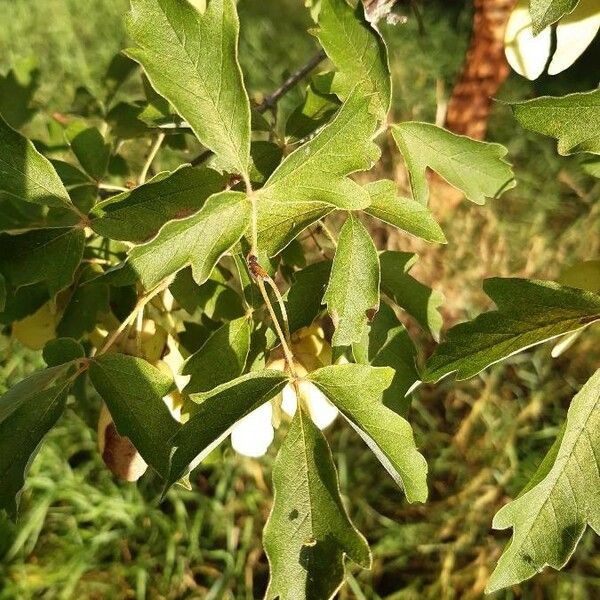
<point x="509" y="336"/>
<point x="232" y="142"/>
<point x="562" y="471"/>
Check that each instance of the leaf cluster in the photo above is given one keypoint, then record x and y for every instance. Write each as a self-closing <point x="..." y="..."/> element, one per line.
<point x="174" y="296"/>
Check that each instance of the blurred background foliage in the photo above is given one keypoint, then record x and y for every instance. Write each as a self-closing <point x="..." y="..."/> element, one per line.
<point x="85" y="535"/>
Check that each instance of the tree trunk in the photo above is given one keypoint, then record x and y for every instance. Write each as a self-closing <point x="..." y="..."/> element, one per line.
<point x="484" y="71"/>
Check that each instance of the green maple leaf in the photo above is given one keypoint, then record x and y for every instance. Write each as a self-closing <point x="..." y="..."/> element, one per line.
<point x="191" y="59"/>
<point x="27" y="412"/>
<point x="133" y="391"/>
<point x="549" y="519"/>
<point x="529" y="313"/>
<point x="357" y="391"/>
<point x="218" y="411"/>
<point x="352" y="295"/>
<point x="404" y="213"/>
<point x="221" y="358"/>
<point x="419" y="301"/>
<point x="50" y="256"/>
<point x="200" y="240"/>
<point x="138" y="215"/>
<point x="573" y="119"/>
<point x="389" y="345"/>
<point x="90" y="148"/>
<point x="25" y="174"/>
<point x="546" y="12"/>
<point x="312" y="181"/>
<point x="476" y="168"/>
<point x="308" y="532"/>
<point x="357" y="50"/>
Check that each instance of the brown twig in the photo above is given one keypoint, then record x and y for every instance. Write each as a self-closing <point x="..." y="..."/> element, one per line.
<point x="271" y="100"/>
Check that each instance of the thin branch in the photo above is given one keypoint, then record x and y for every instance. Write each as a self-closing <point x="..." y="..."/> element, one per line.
<point x="284" y="315"/>
<point x="151" y="156"/>
<point x="260" y="276"/>
<point x="201" y="158"/>
<point x="289" y="358"/>
<point x="107" y="187"/>
<point x="131" y="317"/>
<point x="271" y="100"/>
<point x="253" y="219"/>
<point x="139" y="324"/>
<point x="116" y="334"/>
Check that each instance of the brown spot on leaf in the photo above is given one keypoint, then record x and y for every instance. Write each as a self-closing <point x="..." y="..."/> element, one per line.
<point x="183" y="213"/>
<point x="371" y="312"/>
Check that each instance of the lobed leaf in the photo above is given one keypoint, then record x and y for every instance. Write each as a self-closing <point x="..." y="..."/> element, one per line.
<point x="27" y="412"/>
<point x="475" y="168"/>
<point x="200" y="240"/>
<point x="529" y="312"/>
<point x="308" y="532"/>
<point x="27" y="175"/>
<point x="357" y="50"/>
<point x="404" y="213"/>
<point x="357" y="391"/>
<point x="219" y="410"/>
<point x="574" y="120"/>
<point x="549" y="519"/>
<point x="352" y="294"/>
<point x="138" y="215"/>
<point x="312" y="181"/>
<point x="191" y="59"/>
